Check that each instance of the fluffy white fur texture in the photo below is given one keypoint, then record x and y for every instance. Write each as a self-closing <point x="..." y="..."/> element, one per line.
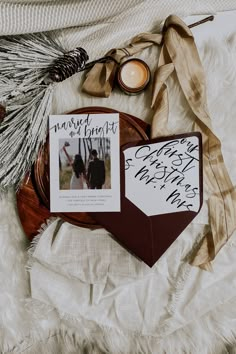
<point x="28" y="326"/>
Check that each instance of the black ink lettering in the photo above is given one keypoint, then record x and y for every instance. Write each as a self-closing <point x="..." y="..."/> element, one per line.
<point x="192" y="147"/>
<point x="128" y="164"/>
<point x="171" y="176"/>
<point x="191" y="159"/>
<point x="183" y="141"/>
<point x="89" y="132"/>
<point x="74" y="123"/>
<point x="193" y="193"/>
<point x="174" y="197"/>
<point x="178" y="162"/>
<point x="167" y="149"/>
<point x="100" y="131"/>
<point x="144" y="175"/>
<point x="110" y="127"/>
<point x="160" y="174"/>
<point x="145" y="156"/>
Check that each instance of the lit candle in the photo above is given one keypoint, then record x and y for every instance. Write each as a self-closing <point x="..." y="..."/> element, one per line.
<point x="133" y="76"/>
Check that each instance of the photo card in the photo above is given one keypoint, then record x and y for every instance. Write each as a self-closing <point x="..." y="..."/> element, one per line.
<point x="84" y="162"/>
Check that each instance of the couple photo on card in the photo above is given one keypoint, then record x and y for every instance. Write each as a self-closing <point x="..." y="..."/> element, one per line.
<point x="83" y="167"/>
<point x="84" y="163"/>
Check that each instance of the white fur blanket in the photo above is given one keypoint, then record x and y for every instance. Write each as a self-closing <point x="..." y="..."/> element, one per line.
<point x="198" y="307"/>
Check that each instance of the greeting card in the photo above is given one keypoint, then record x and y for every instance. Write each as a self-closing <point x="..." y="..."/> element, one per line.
<point x="84" y="163"/>
<point x="161" y="193"/>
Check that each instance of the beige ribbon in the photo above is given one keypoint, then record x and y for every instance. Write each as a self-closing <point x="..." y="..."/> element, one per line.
<point x="179" y="54"/>
<point x="99" y="80"/>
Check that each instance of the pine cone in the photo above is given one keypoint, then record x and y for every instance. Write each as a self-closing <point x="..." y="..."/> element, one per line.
<point x="2" y="113"/>
<point x="68" y="64"/>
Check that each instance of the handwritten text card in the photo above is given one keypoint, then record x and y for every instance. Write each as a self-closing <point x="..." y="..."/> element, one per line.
<point x="84" y="163"/>
<point x="163" y="177"/>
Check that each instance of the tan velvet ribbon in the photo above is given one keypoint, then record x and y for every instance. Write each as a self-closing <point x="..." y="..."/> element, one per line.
<point x="179" y="54"/>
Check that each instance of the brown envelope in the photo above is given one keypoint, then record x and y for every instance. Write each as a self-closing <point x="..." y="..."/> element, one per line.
<point x="148" y="237"/>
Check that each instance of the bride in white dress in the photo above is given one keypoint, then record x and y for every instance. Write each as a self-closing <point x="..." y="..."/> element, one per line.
<point x="78" y="176"/>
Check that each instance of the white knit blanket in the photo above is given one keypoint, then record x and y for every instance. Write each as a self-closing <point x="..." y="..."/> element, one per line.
<point x="21" y="16"/>
<point x="88" y="292"/>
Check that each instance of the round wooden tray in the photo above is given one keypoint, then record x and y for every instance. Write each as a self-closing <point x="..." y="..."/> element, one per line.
<point x="33" y="198"/>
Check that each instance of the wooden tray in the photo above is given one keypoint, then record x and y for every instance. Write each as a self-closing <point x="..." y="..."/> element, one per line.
<point x="33" y="198"/>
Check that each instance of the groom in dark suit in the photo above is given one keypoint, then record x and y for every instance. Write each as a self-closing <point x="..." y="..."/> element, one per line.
<point x="96" y="172"/>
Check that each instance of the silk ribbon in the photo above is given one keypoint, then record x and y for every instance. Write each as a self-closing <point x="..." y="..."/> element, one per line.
<point x="179" y="53"/>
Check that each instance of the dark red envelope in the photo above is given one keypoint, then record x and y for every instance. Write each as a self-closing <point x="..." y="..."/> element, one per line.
<point x="148" y="237"/>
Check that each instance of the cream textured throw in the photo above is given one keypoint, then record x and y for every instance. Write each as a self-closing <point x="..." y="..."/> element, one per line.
<point x="89" y="294"/>
<point x="21" y="16"/>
